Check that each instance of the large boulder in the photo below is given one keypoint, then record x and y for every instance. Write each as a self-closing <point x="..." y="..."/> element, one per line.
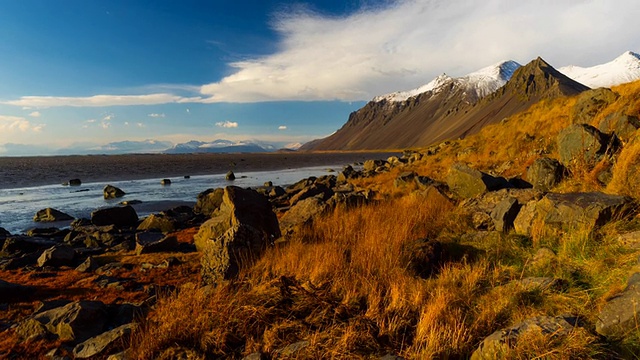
<point x="545" y="173"/>
<point x="125" y="216"/>
<point x="302" y="213"/>
<point x="208" y="201"/>
<point x="76" y="322"/>
<point x="151" y="242"/>
<point x="51" y="215"/>
<point x="59" y="255"/>
<point x="240" y="206"/>
<point x="158" y="222"/>
<point x="224" y="256"/>
<point x="372" y="165"/>
<point x="504" y="214"/>
<point x="230" y="176"/>
<point x="581" y="144"/>
<point x="619" y="316"/>
<point x="573" y="210"/>
<point x="589" y="103"/>
<point x="26" y="244"/>
<point x="467" y="182"/>
<point x="622" y="125"/>
<point x="500" y="341"/>
<point x="112" y="192"/>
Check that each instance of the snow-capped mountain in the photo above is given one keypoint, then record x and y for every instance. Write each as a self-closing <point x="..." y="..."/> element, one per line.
<point x="220" y="146"/>
<point x="477" y="84"/>
<point x="625" y="68"/>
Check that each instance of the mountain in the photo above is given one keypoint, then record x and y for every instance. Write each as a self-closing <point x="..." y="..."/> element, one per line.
<point x="455" y="107"/>
<point x="625" y="68"/>
<point x="129" y="147"/>
<point x="220" y="146"/>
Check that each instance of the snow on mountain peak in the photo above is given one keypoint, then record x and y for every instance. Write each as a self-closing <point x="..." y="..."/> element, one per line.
<point x="477" y="84"/>
<point x="625" y="68"/>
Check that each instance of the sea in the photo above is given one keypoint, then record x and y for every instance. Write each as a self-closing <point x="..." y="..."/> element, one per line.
<point x="19" y="205"/>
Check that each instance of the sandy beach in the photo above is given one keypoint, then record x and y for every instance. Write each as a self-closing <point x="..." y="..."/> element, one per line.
<point x="17" y="172"/>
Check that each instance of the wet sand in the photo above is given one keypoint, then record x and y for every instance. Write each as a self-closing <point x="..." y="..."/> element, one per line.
<point x="17" y="172"/>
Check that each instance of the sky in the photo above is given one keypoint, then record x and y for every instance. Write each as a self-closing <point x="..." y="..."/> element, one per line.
<point x="79" y="74"/>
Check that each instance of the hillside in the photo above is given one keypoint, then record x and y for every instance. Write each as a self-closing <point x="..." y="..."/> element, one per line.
<point x="448" y="111"/>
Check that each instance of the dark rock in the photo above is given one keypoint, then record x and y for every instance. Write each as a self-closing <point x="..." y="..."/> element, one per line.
<point x="49" y="233"/>
<point x="268" y="183"/>
<point x="301" y="214"/>
<point x="405" y="178"/>
<point x="51" y="215"/>
<point x="240" y="206"/>
<point x="300" y="185"/>
<point x="89" y="265"/>
<point x="26" y="244"/>
<point x="187" y="176"/>
<point x="545" y="173"/>
<point x="373" y="165"/>
<point x="498" y="342"/>
<point x="109" y="340"/>
<point x="150" y="242"/>
<point x="590" y="103"/>
<point x="130" y="202"/>
<point x="622" y="125"/>
<point x="276" y="191"/>
<point x="10" y="292"/>
<point x="158" y="222"/>
<point x="76" y="322"/>
<point x="75" y="182"/>
<point x="124" y="216"/>
<point x="230" y="176"/>
<point x="504" y="214"/>
<point x="112" y="192"/>
<point x="348" y="199"/>
<point x="20" y="261"/>
<point x="165" y="182"/>
<point x="619" y="316"/>
<point x="466" y="182"/>
<point x="208" y="201"/>
<point x="311" y="191"/>
<point x="581" y="144"/>
<point x="59" y="255"/>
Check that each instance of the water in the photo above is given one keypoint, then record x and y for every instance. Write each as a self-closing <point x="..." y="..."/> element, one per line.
<point x="18" y="206"/>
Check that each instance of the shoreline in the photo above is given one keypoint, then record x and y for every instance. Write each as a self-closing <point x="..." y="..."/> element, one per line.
<point x="19" y="172"/>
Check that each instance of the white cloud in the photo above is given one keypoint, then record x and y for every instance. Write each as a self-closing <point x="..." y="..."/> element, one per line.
<point x="35" y="114"/>
<point x="126" y="123"/>
<point x="140" y="125"/>
<point x="407" y="43"/>
<point x="282" y="127"/>
<point x="227" y="124"/>
<point x="105" y="124"/>
<point x="99" y="100"/>
<point x="156" y="115"/>
<point x="18" y="124"/>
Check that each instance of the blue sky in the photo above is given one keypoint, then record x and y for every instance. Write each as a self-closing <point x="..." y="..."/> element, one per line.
<point x="91" y="72"/>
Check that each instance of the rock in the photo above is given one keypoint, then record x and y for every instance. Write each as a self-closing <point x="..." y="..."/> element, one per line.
<point x="89" y="265"/>
<point x="523" y="221"/>
<point x="545" y="173"/>
<point x="10" y="292"/>
<point x="98" y="344"/>
<point x="498" y="342"/>
<point x="51" y="215"/>
<point x="422" y="257"/>
<point x="589" y="103"/>
<point x="268" y="183"/>
<point x="276" y="191"/>
<point x="112" y="192"/>
<point x="311" y="191"/>
<point x="158" y="222"/>
<point x="124" y="216"/>
<point x="255" y="356"/>
<point x="466" y="182"/>
<point x="222" y="257"/>
<point x="76" y="322"/>
<point x="26" y="244"/>
<point x="373" y="165"/>
<point x="208" y="201"/>
<point x="50" y="233"/>
<point x="619" y="316"/>
<point x="302" y="214"/>
<point x="405" y="178"/>
<point x="581" y="144"/>
<point x="59" y="255"/>
<point x="240" y="206"/>
<point x="130" y="202"/>
<point x="75" y="182"/>
<point x="622" y="125"/>
<point x="230" y="176"/>
<point x="590" y="210"/>
<point x="165" y="182"/>
<point x="504" y="214"/>
<point x="293" y="350"/>
<point x="150" y="242"/>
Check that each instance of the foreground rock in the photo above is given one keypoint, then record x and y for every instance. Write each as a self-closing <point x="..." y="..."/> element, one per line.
<point x="498" y="343"/>
<point x="620" y="124"/>
<point x="584" y="211"/>
<point x="239" y="230"/>
<point x="51" y="215"/>
<point x="125" y="216"/>
<point x="208" y="201"/>
<point x="619" y="316"/>
<point x="545" y="173"/>
<point x="13" y="292"/>
<point x="150" y="242"/>
<point x="590" y="103"/>
<point x="98" y="344"/>
<point x="581" y="145"/>
<point x="302" y="214"/>
<point x="466" y="182"/>
<point x="59" y="255"/>
<point x="112" y="192"/>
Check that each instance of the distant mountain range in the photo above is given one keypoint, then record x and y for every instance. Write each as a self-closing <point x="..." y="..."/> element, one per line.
<point x="449" y="108"/>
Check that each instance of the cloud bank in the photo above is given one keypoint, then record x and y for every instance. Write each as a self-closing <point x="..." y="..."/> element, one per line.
<point x="227" y="124"/>
<point x="10" y="124"/>
<point x="400" y="46"/>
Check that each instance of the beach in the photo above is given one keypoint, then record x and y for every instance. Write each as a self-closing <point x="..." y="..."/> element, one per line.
<point x="20" y="172"/>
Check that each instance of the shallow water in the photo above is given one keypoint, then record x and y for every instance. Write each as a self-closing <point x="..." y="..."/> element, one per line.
<point x="18" y="206"/>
